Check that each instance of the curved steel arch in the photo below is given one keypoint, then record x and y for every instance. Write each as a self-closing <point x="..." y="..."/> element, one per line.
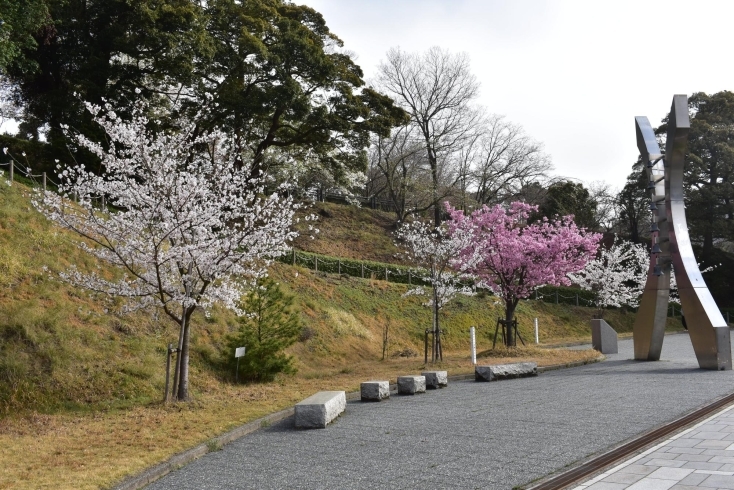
<point x="671" y="244"/>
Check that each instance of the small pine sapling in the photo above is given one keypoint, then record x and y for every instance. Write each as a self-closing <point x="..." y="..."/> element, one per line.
<point x="270" y="326"/>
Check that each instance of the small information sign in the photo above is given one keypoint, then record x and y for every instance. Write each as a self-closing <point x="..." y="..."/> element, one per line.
<point x="239" y="352"/>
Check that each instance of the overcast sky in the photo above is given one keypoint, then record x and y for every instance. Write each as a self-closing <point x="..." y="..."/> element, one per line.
<point x="574" y="74"/>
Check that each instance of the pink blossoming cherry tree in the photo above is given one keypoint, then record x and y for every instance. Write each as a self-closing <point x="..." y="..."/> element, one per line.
<point x="513" y="258"/>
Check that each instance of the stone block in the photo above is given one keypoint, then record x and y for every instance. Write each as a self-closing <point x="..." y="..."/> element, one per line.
<point x="436" y="379"/>
<point x="410" y="385"/>
<point x="318" y="410"/>
<point x="374" y="391"/>
<point x="603" y="337"/>
<point x="505" y="371"/>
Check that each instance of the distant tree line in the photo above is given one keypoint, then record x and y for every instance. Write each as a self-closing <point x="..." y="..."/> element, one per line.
<point x="280" y="80"/>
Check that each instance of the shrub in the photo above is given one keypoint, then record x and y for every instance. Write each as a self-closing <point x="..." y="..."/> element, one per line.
<point x="270" y="326"/>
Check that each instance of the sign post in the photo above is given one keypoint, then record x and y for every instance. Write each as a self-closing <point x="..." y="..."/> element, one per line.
<point x="238" y="352"/>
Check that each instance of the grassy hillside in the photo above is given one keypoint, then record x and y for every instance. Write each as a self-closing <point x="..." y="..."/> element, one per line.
<point x="64" y="348"/>
<point x="352" y="232"/>
<point x="75" y="375"/>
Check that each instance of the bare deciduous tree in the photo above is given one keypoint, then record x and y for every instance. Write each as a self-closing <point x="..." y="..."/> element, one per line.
<point x="435" y="88"/>
<point x="507" y="162"/>
<point x="395" y="171"/>
<point x="607" y="210"/>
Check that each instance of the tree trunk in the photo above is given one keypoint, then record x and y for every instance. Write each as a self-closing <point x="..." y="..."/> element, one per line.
<point x="708" y="244"/>
<point x="177" y="368"/>
<point x="433" y="162"/>
<point x="183" y="359"/>
<point x="509" y="316"/>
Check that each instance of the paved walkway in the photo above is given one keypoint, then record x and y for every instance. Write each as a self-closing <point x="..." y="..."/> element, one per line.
<point x="701" y="457"/>
<point x="470" y="435"/>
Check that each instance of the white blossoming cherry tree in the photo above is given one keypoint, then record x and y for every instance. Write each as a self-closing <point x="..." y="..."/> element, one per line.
<point x="616" y="276"/>
<point x="185" y="223"/>
<point x="434" y="251"/>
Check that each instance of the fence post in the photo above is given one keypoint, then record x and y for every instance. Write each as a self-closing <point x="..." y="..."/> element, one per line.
<point x="577" y="299"/>
<point x="44" y="181"/>
<point x="536" y="294"/>
<point x="294" y="256"/>
<point x="362" y="271"/>
<point x="386" y="279"/>
<point x="409" y="284"/>
<point x="339" y="265"/>
<point x="316" y="263"/>
<point x="11" y="172"/>
<point x="473" y="337"/>
<point x="556" y="296"/>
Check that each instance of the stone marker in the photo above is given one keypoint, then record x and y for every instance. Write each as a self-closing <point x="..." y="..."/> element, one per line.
<point x="505" y="371"/>
<point x="318" y="410"/>
<point x="374" y="391"/>
<point x="410" y="385"/>
<point x="436" y="379"/>
<point x="603" y="337"/>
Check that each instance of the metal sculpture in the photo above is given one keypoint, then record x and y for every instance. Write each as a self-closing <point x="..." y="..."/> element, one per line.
<point x="671" y="245"/>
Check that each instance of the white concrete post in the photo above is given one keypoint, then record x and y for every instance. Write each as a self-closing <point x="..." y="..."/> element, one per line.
<point x="473" y="346"/>
<point x="536" y="331"/>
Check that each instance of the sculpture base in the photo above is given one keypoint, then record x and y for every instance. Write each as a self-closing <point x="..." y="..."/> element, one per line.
<point x="603" y="337"/>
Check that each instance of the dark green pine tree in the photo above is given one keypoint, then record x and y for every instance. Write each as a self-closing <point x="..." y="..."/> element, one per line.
<point x="270" y="326"/>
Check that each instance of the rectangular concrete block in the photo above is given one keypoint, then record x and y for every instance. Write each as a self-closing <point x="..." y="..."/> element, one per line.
<point x="374" y="391"/>
<point x="436" y="379"/>
<point x="505" y="371"/>
<point x="318" y="410"/>
<point x="603" y="337"/>
<point x="410" y="385"/>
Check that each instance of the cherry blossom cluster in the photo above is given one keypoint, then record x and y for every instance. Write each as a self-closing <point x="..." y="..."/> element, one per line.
<point x="513" y="258"/>
<point x="616" y="276"/>
<point x="184" y="221"/>
<point x="433" y="250"/>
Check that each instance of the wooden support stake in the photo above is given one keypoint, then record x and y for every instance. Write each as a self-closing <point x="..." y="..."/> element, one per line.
<point x="168" y="369"/>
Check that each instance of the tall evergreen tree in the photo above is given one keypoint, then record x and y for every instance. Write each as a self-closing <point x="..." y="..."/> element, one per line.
<point x="709" y="169"/>
<point x="569" y="198"/>
<point x="274" y="69"/>
<point x="633" y="202"/>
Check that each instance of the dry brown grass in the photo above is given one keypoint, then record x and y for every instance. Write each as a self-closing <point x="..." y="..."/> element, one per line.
<point x="98" y="449"/>
<point x="352" y="232"/>
<point x="76" y="383"/>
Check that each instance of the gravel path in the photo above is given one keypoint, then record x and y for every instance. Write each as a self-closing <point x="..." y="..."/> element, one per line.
<point x="469" y="435"/>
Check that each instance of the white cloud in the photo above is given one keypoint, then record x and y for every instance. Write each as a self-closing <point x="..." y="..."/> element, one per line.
<point x="573" y="73"/>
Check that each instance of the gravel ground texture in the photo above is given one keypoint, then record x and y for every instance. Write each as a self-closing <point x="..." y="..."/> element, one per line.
<point x="469" y="435"/>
